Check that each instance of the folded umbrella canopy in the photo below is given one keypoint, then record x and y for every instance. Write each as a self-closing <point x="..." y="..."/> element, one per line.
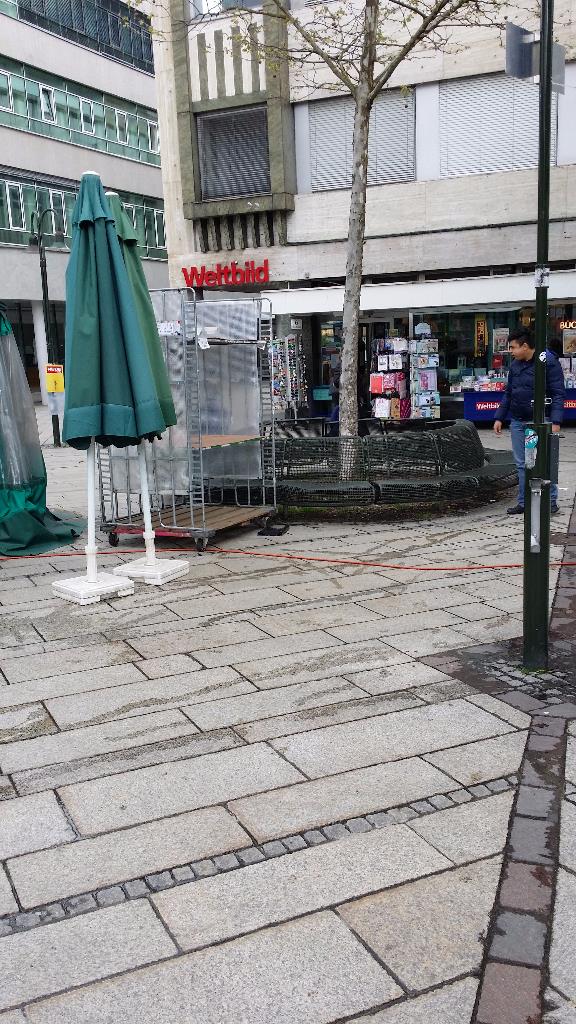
<point x="150" y="569"/>
<point x="111" y="390"/>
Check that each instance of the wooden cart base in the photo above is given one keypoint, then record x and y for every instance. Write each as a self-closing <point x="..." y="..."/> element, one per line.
<point x="216" y="518"/>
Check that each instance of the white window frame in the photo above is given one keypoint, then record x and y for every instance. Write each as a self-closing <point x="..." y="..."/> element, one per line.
<point x="8" y="186"/>
<point x="48" y="90"/>
<point x="91" y="130"/>
<point x="151" y="125"/>
<point x="129" y="207"/>
<point x="56" y="192"/>
<point x="10" y="99"/>
<point x="157" y="214"/>
<point x="124" y="114"/>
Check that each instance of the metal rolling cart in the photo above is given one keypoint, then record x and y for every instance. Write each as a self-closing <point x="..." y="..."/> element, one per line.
<point x="215" y="468"/>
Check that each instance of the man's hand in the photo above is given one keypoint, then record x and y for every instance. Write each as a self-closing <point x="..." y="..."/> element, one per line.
<point x="556" y="428"/>
<point x="498" y="426"/>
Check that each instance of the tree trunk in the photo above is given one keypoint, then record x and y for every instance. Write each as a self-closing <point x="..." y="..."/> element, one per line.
<point x="356" y="224"/>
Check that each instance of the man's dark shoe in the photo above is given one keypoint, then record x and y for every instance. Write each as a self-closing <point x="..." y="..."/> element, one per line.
<point x="516" y="510"/>
<point x="555" y="510"/>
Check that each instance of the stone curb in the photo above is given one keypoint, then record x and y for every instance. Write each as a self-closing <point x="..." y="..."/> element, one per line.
<point x="514" y="971"/>
<point x="169" y="878"/>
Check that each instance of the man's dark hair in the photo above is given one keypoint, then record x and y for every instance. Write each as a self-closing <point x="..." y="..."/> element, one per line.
<point x="555" y="346"/>
<point x="522" y="336"/>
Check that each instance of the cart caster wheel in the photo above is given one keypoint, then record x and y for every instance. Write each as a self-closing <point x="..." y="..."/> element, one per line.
<point x="113" y="540"/>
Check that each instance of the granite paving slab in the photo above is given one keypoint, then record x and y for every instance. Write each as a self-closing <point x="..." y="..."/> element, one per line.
<point x="67" y="683"/>
<point x="568" y="836"/>
<point x="168" y="665"/>
<point x="307" y="970"/>
<point x="562" y="973"/>
<point x="389" y="737"/>
<point x="431" y="641"/>
<point x="49" y="646"/>
<point x="176" y="748"/>
<point x="269" y="703"/>
<point x="78" y="951"/>
<point x="292" y="645"/>
<point x="499" y="708"/>
<point x="119" y="856"/>
<point x="483" y="760"/>
<point x="358" y="792"/>
<point x="320" y="616"/>
<point x="71" y="620"/>
<point x="8" y="904"/>
<point x="405" y="675"/>
<point x="361" y="584"/>
<point x="42" y="666"/>
<point x="318" y="718"/>
<point x="451" y="1004"/>
<point x="265" y="598"/>
<point x="277" y="890"/>
<point x="394" y="625"/>
<point x="422" y="602"/>
<point x="149" y="793"/>
<point x="280" y="578"/>
<point x="471" y="831"/>
<point x="194" y="636"/>
<point x="322" y="664"/>
<point x="490" y="630"/>
<point x="571" y="757"/>
<point x="137" y="698"/>
<point x="22" y="723"/>
<point x="32" y="823"/>
<point x="429" y="932"/>
<point x="79" y="743"/>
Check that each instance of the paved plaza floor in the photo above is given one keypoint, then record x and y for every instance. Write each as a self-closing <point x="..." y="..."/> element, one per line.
<point x="279" y="789"/>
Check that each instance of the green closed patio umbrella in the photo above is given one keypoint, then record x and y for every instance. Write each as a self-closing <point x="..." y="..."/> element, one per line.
<point x="150" y="569"/>
<point x="111" y="391"/>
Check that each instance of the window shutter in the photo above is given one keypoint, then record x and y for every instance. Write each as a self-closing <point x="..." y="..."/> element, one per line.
<point x="490" y="123"/>
<point x="390" y="143"/>
<point x="233" y="147"/>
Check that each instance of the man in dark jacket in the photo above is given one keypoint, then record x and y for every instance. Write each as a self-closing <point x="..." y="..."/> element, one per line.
<point x="518" y="404"/>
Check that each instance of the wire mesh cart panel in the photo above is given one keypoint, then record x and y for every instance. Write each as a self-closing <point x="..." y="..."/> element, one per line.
<point x="215" y="468"/>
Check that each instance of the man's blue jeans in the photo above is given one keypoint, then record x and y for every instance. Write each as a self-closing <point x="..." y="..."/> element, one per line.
<point x="517" y="428"/>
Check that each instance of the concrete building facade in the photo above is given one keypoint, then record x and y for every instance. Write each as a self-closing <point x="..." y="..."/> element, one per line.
<point x="257" y="172"/>
<point x="77" y="93"/>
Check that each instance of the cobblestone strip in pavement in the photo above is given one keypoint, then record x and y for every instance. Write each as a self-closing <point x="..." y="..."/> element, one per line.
<point x="169" y="878"/>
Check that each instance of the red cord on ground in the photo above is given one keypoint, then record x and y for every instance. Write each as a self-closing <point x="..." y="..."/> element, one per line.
<point x="298" y="558"/>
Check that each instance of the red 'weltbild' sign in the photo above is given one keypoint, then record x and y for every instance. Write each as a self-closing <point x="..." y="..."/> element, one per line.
<point x="229" y="274"/>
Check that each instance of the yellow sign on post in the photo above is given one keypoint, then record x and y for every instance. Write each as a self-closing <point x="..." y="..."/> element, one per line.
<point x="54" y="378"/>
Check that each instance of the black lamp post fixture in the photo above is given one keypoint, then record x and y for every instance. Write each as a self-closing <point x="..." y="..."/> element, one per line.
<point x="536" y="56"/>
<point x="36" y="240"/>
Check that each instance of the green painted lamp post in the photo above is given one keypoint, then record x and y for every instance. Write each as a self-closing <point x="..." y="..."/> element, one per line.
<point x="37" y="240"/>
<point x="530" y="57"/>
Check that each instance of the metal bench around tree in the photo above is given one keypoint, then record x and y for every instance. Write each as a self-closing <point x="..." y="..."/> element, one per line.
<point x="445" y="463"/>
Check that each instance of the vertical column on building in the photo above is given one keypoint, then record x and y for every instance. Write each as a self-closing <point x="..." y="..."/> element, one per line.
<point x="40" y="345"/>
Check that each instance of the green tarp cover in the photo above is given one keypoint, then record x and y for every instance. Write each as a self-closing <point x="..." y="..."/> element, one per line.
<point x="111" y="390"/>
<point x="26" y="526"/>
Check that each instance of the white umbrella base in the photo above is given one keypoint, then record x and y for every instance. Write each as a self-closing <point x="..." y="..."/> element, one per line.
<point x="156" y="572"/>
<point x="80" y="590"/>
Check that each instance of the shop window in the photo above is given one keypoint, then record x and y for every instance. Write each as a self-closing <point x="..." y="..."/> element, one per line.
<point x="490" y="123"/>
<point x="87" y="115"/>
<point x="233" y="147"/>
<point x="153" y="137"/>
<point x="5" y="92"/>
<point x="390" y="146"/>
<point x="47" y="104"/>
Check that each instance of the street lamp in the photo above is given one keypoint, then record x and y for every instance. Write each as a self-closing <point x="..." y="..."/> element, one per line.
<point x="36" y="240"/>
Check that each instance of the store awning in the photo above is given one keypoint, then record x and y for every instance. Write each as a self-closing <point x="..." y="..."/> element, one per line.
<point x="472" y="292"/>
